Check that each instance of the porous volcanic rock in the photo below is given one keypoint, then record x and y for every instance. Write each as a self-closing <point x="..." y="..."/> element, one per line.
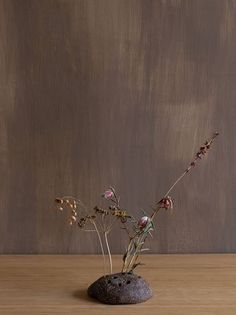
<point x="120" y="288"/>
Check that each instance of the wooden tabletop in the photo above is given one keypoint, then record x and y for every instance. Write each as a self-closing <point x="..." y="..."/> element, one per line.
<point x="182" y="284"/>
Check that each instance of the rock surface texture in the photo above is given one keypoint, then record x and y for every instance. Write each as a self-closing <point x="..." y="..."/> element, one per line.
<point x="120" y="288"/>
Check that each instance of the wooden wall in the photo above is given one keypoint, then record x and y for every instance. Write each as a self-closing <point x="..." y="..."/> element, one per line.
<point x="119" y="92"/>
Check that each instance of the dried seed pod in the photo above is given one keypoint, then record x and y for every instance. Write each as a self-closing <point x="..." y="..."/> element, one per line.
<point x="122" y="214"/>
<point x="123" y="219"/>
<point x="101" y="211"/>
<point x="82" y="222"/>
<point x="74" y="213"/>
<point x="59" y="200"/>
<point x="73" y="218"/>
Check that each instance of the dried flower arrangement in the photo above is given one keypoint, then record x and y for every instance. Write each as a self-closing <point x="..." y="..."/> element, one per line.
<point x="112" y="288"/>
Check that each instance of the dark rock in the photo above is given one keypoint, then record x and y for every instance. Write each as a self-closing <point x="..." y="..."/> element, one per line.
<point x="120" y="288"/>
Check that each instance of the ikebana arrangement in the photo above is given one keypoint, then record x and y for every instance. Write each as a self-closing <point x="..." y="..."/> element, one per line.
<point x="124" y="287"/>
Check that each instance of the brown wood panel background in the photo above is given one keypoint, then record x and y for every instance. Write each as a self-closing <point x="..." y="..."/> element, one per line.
<point x="119" y="92"/>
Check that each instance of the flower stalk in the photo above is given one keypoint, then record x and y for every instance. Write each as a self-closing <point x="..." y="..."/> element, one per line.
<point x="138" y="231"/>
<point x="165" y="203"/>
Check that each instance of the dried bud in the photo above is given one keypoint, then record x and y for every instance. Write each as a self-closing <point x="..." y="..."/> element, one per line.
<point x="74" y="213"/>
<point x="207" y="145"/>
<point x="82" y="222"/>
<point x="199" y="155"/>
<point x="166" y="203"/>
<point x="73" y="218"/>
<point x="59" y="200"/>
<point x="143" y="222"/>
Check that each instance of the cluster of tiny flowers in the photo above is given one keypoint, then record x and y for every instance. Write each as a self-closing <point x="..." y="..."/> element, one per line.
<point x="203" y="150"/>
<point x="64" y="202"/>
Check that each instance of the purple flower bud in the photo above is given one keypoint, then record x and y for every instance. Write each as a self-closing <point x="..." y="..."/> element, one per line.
<point x="142" y="223"/>
<point x="167" y="203"/>
<point x="108" y="194"/>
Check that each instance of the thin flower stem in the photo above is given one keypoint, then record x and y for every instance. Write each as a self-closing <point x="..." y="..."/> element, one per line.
<point x="101" y="245"/>
<point x="176" y="182"/>
<point x="135" y="254"/>
<point x="109" y="228"/>
<point x="108" y="251"/>
<point x="126" y="229"/>
<point x="192" y="164"/>
<point x="128" y="253"/>
<point x="106" y="230"/>
<point x="142" y="238"/>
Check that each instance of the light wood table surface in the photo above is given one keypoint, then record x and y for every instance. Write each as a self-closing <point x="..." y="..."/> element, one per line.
<point x="182" y="284"/>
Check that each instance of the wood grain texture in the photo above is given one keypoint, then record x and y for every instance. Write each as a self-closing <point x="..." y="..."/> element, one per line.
<point x="182" y="284"/>
<point x="118" y="92"/>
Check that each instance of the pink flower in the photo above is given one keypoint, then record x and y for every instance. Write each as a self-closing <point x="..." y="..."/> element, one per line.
<point x="143" y="222"/>
<point x="108" y="194"/>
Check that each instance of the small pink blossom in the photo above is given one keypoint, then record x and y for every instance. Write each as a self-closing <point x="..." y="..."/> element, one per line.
<point x="108" y="194"/>
<point x="143" y="222"/>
